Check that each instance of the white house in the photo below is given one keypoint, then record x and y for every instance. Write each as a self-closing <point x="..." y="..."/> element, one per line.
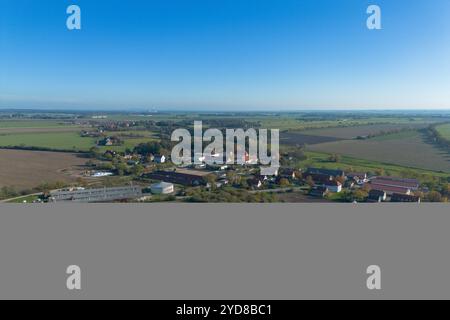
<point x="160" y="159"/>
<point x="162" y="188"/>
<point x="333" y="186"/>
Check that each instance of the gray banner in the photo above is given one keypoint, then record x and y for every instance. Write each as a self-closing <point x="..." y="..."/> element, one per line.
<point x="218" y="251"/>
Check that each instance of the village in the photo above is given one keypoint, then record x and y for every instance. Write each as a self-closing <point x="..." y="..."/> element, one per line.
<point x="156" y="179"/>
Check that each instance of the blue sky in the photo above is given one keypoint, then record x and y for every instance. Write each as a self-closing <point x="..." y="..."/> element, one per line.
<point x="222" y="55"/>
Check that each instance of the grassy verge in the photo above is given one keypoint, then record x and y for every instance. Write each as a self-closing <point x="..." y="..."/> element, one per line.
<point x="25" y="199"/>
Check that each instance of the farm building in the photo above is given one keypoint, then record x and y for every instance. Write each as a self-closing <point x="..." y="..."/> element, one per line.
<point x="396" y="197"/>
<point x="185" y="179"/>
<point x="96" y="195"/>
<point x="377" y="196"/>
<point x="390" y="190"/>
<point x="328" y="172"/>
<point x="254" y="183"/>
<point x="109" y="141"/>
<point x="100" y="174"/>
<point x="319" y="192"/>
<point x="358" y="177"/>
<point x="287" y="173"/>
<point x="411" y="184"/>
<point x="320" y="179"/>
<point x="162" y="188"/>
<point x="269" y="171"/>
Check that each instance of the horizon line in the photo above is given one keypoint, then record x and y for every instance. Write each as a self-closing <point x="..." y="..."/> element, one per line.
<point x="203" y="110"/>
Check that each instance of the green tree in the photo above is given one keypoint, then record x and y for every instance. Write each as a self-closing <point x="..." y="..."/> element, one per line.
<point x="360" y="195"/>
<point x="335" y="158"/>
<point x="284" y="182"/>
<point x="434" y="196"/>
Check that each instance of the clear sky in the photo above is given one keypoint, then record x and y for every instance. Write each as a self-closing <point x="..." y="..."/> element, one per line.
<point x="223" y="55"/>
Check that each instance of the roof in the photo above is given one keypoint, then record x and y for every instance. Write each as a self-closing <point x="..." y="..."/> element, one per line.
<point x="377" y="193"/>
<point x="333" y="183"/>
<point x="397" y="182"/>
<point x="322" y="178"/>
<point x="175" y="177"/>
<point x="334" y="173"/>
<point x="162" y="185"/>
<point x="404" y="198"/>
<point x="288" y="171"/>
<point x="254" y="181"/>
<point x="356" y="174"/>
<point x="393" y="189"/>
<point x="318" y="191"/>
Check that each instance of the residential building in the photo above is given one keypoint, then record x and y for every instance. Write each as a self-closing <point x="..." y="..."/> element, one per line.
<point x="160" y="159"/>
<point x="319" y="192"/>
<point x="333" y="186"/>
<point x="287" y="173"/>
<point x="358" y="177"/>
<point x="254" y="183"/>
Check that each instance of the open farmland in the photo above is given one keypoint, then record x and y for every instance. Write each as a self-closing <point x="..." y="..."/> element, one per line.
<point x="299" y="139"/>
<point x="444" y="130"/>
<point x="407" y="149"/>
<point x="49" y="140"/>
<point x="65" y="139"/>
<point x="353" y="132"/>
<point x="33" y="123"/>
<point x="28" y="169"/>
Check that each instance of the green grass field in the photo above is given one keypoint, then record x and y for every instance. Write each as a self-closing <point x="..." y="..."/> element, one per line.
<point x="57" y="141"/>
<point x="444" y="130"/>
<point x="25" y="199"/>
<point x="320" y="160"/>
<point x="70" y="141"/>
<point x="32" y="124"/>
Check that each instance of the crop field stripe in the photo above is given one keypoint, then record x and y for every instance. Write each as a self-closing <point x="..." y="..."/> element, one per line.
<point x="403" y="151"/>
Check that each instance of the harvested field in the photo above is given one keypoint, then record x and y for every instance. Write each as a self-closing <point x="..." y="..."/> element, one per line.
<point x="405" y="149"/>
<point x="28" y="169"/>
<point x="353" y="132"/>
<point x="298" y="139"/>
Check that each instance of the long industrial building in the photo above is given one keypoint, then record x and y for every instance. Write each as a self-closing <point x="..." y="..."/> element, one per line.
<point x="97" y="195"/>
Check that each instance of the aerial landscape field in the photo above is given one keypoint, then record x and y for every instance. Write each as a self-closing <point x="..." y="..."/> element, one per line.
<point x="43" y="152"/>
<point x="28" y="169"/>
